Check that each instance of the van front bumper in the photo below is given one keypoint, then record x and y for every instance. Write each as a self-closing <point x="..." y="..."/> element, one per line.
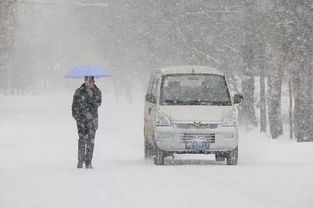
<point x="179" y="140"/>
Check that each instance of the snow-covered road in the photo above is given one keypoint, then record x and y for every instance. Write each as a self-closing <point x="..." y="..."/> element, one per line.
<point x="38" y="146"/>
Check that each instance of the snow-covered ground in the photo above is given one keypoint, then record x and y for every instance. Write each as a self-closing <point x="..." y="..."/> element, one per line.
<point x="38" y="148"/>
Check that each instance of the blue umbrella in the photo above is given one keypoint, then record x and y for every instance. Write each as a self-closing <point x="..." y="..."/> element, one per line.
<point x="88" y="70"/>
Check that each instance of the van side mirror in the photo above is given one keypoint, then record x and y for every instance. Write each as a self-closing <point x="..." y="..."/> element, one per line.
<point x="238" y="98"/>
<point x="150" y="98"/>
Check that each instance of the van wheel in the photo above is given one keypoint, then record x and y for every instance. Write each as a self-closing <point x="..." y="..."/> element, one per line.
<point x="219" y="157"/>
<point x="232" y="157"/>
<point x="159" y="156"/>
<point x="148" y="150"/>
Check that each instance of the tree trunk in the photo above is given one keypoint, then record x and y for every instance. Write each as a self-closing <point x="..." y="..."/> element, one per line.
<point x="262" y="103"/>
<point x="298" y="107"/>
<point x="274" y="104"/>
<point x="290" y="109"/>
<point x="302" y="91"/>
<point x="309" y="107"/>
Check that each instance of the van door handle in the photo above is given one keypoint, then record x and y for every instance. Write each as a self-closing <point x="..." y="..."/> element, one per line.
<point x="150" y="110"/>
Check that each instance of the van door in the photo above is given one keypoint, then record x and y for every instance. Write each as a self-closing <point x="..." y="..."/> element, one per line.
<point x="151" y="100"/>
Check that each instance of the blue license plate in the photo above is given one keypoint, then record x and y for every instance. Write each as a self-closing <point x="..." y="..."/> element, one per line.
<point x="197" y="145"/>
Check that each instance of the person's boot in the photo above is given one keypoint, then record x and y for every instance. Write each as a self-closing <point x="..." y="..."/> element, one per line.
<point x="80" y="164"/>
<point x="88" y="165"/>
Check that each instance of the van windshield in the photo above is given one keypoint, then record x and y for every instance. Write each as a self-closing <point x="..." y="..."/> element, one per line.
<point x="194" y="89"/>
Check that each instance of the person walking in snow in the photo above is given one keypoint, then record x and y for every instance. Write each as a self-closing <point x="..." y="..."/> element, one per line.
<point x="86" y="101"/>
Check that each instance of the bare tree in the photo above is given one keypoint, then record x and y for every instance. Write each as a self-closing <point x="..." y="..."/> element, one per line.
<point x="7" y="25"/>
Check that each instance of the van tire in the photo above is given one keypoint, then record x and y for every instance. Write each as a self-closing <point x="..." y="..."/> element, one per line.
<point x="232" y="157"/>
<point x="219" y="157"/>
<point x="159" y="156"/>
<point x="148" y="150"/>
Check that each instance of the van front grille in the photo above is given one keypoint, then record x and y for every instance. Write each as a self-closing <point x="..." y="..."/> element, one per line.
<point x="197" y="126"/>
<point x="208" y="137"/>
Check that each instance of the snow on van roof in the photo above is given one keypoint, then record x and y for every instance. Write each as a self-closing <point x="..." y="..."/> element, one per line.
<point x="187" y="69"/>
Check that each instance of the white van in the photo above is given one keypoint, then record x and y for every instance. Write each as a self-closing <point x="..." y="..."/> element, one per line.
<point x="189" y="109"/>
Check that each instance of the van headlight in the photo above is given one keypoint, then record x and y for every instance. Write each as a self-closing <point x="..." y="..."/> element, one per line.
<point x="162" y="119"/>
<point x="231" y="119"/>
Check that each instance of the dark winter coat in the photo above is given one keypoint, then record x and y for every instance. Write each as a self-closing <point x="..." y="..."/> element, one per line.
<point x="85" y="107"/>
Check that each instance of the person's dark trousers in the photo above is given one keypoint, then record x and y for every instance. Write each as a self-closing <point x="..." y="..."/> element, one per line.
<point x="86" y="141"/>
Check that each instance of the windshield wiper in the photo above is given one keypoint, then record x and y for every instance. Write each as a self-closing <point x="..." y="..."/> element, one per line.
<point x="169" y="101"/>
<point x="172" y="102"/>
<point x="192" y="102"/>
<point x="195" y="102"/>
<point x="207" y="102"/>
<point x="225" y="103"/>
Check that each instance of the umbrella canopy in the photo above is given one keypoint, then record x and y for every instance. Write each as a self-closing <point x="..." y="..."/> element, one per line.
<point x="88" y="70"/>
